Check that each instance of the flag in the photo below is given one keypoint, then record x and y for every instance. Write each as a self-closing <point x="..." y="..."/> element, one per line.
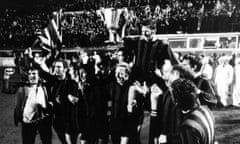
<point x="51" y="36"/>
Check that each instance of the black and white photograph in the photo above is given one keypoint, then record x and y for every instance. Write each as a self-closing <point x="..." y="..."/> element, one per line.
<point x="120" y="72"/>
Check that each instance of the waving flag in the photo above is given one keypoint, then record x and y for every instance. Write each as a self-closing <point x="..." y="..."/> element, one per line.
<point x="51" y="36"/>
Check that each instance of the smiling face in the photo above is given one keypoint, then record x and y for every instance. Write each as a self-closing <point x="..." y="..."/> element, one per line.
<point x="33" y="77"/>
<point x="121" y="74"/>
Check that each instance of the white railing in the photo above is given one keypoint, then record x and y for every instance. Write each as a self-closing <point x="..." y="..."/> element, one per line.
<point x="223" y="42"/>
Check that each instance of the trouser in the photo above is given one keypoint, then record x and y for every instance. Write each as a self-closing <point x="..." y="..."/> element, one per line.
<point x="153" y="130"/>
<point x="59" y="128"/>
<point x="95" y="130"/>
<point x="118" y="139"/>
<point x="59" y="123"/>
<point x="72" y="137"/>
<point x="122" y="131"/>
<point x="29" y="131"/>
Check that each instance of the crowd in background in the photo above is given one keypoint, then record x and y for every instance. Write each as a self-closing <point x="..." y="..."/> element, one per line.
<point x="19" y="28"/>
<point x="84" y="29"/>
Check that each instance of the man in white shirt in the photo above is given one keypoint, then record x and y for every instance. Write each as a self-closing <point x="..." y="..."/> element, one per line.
<point x="224" y="79"/>
<point x="32" y="110"/>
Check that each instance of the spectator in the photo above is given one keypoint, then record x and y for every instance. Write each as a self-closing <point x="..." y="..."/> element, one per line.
<point x="206" y="68"/>
<point x="223" y="80"/>
<point x="236" y="92"/>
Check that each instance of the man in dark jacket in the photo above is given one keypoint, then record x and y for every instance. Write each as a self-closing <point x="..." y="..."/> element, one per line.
<point x="93" y="90"/>
<point x="57" y="85"/>
<point x="207" y="96"/>
<point x="124" y="121"/>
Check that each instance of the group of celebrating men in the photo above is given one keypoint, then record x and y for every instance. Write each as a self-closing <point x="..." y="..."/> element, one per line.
<point x="88" y="104"/>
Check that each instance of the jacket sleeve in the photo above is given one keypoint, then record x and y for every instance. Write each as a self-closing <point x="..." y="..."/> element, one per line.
<point x="44" y="74"/>
<point x="18" y="107"/>
<point x="187" y="135"/>
<point x="190" y="136"/>
<point x="47" y="76"/>
<point x="208" y="95"/>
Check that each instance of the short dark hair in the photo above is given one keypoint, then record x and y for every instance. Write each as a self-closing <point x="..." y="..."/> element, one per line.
<point x="184" y="73"/>
<point x="32" y="68"/>
<point x="184" y="93"/>
<point x="194" y="61"/>
<point x="65" y="65"/>
<point x="127" y="54"/>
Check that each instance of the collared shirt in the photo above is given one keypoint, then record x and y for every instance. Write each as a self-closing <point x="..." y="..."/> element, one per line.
<point x="36" y="99"/>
